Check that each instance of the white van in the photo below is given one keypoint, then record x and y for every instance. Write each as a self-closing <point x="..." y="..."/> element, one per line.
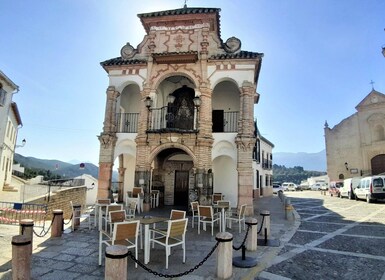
<point x="371" y="188"/>
<point x="349" y="185"/>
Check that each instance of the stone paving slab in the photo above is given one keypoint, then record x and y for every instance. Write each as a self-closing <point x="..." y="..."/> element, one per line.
<point x="320" y="227"/>
<point x="326" y="266"/>
<point x="372" y="246"/>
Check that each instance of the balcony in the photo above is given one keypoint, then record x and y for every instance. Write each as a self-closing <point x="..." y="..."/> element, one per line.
<point x="127" y="122"/>
<point x="165" y="120"/>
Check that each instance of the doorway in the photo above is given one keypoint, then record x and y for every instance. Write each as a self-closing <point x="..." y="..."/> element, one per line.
<point x="181" y="188"/>
<point x="378" y="164"/>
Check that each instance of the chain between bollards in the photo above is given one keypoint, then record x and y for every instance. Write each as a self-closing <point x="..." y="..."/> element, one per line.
<point x="173" y="275"/>
<point x="244" y="239"/>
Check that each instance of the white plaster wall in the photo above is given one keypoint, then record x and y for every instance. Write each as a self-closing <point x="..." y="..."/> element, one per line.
<point x="120" y="81"/>
<point x="239" y="75"/>
<point x="226" y="178"/>
<point x="92" y="190"/>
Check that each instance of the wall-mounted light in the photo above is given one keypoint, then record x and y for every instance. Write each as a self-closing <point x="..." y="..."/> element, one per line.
<point x="197" y="102"/>
<point x="170" y="98"/>
<point x="346" y="166"/>
<point x="148" y="102"/>
<point x="5" y="146"/>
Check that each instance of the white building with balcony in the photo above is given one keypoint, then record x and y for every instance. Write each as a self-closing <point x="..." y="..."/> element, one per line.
<point x="180" y="112"/>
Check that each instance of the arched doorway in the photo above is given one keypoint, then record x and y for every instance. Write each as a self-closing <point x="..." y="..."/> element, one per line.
<point x="173" y="176"/>
<point x="378" y="164"/>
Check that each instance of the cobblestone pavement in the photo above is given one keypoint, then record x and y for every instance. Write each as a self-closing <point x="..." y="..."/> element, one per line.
<point x="75" y="254"/>
<point x="337" y="239"/>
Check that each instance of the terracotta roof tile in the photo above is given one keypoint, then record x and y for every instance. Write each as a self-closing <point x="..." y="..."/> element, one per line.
<point x="183" y="11"/>
<point x="121" y="61"/>
<point x="241" y="55"/>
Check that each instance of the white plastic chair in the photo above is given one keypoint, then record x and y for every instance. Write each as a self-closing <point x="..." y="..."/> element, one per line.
<point x="194" y="211"/>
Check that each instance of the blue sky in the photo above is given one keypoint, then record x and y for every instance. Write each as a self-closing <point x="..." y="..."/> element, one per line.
<point x="319" y="59"/>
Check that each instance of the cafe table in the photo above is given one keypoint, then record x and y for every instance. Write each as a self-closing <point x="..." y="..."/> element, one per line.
<point x="223" y="215"/>
<point x="147" y="221"/>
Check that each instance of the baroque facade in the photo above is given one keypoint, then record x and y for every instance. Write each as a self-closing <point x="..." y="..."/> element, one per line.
<point x="356" y="146"/>
<point x="179" y="113"/>
<point x="10" y="122"/>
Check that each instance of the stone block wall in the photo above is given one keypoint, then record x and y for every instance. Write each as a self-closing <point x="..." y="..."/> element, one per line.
<point x="61" y="200"/>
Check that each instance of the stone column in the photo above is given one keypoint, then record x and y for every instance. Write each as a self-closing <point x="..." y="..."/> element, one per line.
<point x="107" y="144"/>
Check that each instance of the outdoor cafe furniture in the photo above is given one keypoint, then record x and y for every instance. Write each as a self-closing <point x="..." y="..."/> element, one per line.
<point x="78" y="214"/>
<point x="175" y="236"/>
<point x="124" y="233"/>
<point x="138" y="194"/>
<point x="99" y="206"/>
<point x="215" y="197"/>
<point x="147" y="221"/>
<point x="154" y="198"/>
<point x="194" y="212"/>
<point x="174" y="215"/>
<point x="116" y="217"/>
<point x="223" y="206"/>
<point x="131" y="209"/>
<point x="207" y="216"/>
<point x="106" y="217"/>
<point x="238" y="216"/>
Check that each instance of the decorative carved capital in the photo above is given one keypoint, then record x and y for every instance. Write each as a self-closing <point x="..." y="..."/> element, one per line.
<point x="108" y="140"/>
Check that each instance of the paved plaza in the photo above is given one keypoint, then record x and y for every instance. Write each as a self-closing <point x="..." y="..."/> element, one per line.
<point x="75" y="254"/>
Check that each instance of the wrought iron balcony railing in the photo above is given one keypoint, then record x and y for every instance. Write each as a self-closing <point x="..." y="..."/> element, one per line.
<point x="127" y="122"/>
<point x="164" y="119"/>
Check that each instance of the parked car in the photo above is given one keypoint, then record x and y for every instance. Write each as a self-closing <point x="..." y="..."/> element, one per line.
<point x="334" y="188"/>
<point x="277" y="188"/>
<point x="315" y="187"/>
<point x="371" y="188"/>
<point x="324" y="187"/>
<point x="290" y="186"/>
<point x="304" y="187"/>
<point x="348" y="187"/>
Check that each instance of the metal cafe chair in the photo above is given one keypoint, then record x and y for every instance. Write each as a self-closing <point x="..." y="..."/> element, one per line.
<point x="207" y="216"/>
<point x="175" y="236"/>
<point x="238" y="216"/>
<point x="124" y="233"/>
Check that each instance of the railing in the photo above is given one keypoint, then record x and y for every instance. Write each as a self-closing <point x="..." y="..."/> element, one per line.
<point x="166" y="119"/>
<point x="127" y="122"/>
<point x="230" y="122"/>
<point x="161" y="119"/>
<point x="267" y="164"/>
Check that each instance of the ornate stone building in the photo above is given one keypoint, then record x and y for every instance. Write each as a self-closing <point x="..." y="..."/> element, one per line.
<point x="179" y="113"/>
<point x="356" y="146"/>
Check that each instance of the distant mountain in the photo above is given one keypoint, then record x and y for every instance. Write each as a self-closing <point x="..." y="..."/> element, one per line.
<point x="309" y="161"/>
<point x="58" y="167"/>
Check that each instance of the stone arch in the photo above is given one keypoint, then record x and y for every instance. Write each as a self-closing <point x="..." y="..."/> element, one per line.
<point x="226" y="105"/>
<point x="224" y="79"/>
<point x="166" y="146"/>
<point x="171" y="72"/>
<point x="378" y="164"/>
<point x="224" y="147"/>
<point x="139" y="82"/>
